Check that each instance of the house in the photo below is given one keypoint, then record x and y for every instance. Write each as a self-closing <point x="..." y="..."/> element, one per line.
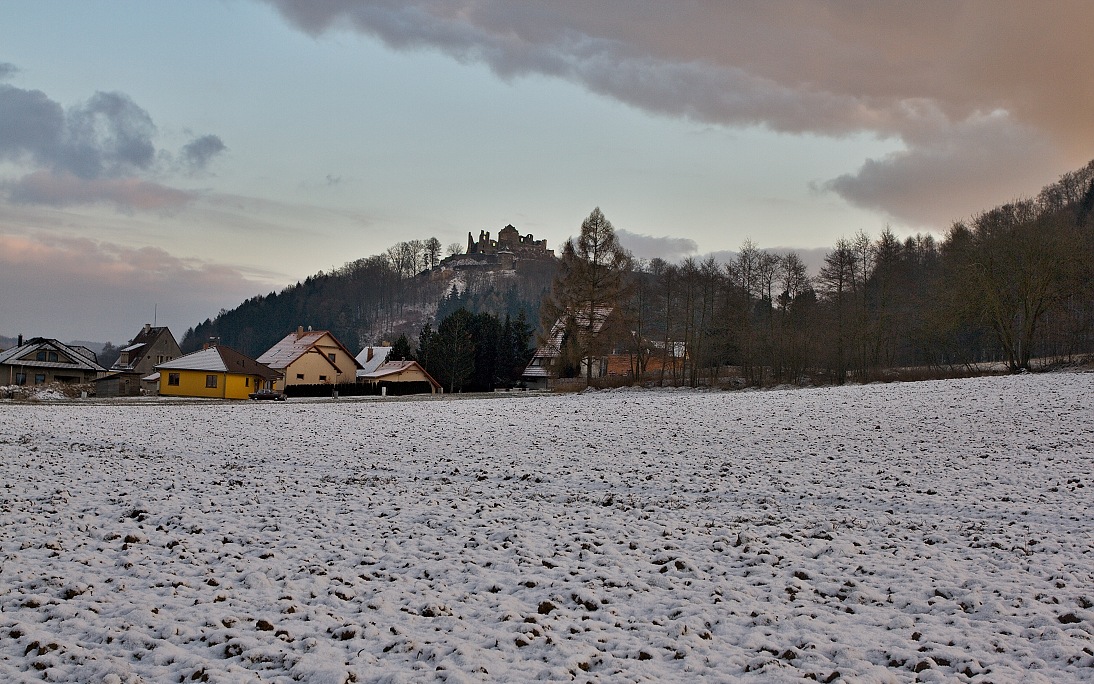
<point x="216" y="372"/>
<point x="548" y="361"/>
<point x="401" y="377"/>
<point x="311" y="357"/>
<point x="370" y="359"/>
<point x="137" y="361"/>
<point x="41" y="360"/>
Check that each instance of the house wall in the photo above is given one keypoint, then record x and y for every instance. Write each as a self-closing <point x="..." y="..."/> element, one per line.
<point x="315" y="363"/>
<point x="192" y="384"/>
<point x="346" y="363"/>
<point x="311" y="366"/>
<point x="8" y="373"/>
<point x="162" y="350"/>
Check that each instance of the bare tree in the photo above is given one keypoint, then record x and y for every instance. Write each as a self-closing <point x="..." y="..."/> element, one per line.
<point x="590" y="286"/>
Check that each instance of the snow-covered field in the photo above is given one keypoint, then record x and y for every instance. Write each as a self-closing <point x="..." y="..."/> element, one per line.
<point x="939" y="531"/>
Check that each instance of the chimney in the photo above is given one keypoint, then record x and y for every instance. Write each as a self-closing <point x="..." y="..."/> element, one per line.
<point x="20" y="342"/>
<point x="299" y="331"/>
<point x="369" y="357"/>
<point x="147" y="328"/>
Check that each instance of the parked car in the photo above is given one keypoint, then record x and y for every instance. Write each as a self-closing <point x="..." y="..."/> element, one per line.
<point x="272" y="395"/>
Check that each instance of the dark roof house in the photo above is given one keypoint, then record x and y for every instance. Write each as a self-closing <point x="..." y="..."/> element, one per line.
<point x="40" y="360"/>
<point x="151" y="346"/>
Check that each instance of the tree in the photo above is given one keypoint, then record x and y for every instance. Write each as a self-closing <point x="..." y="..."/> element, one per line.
<point x="400" y="351"/>
<point x="449" y="353"/>
<point x="591" y="284"/>
<point x="108" y="355"/>
<point x="432" y="252"/>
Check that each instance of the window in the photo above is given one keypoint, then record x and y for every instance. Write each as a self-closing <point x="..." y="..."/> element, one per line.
<point x="173" y="379"/>
<point x="39" y="378"/>
<point x="322" y="378"/>
<point x="52" y="356"/>
<point x="40" y="356"/>
<point x="246" y="382"/>
<point x="20" y="378"/>
<point x="330" y="356"/>
<point x="299" y="376"/>
<point x="211" y="381"/>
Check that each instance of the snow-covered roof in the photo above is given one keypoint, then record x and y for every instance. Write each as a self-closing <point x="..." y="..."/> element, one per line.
<point x="206" y="360"/>
<point x="219" y="359"/>
<point x="132" y="347"/>
<point x="552" y="346"/>
<point x="296" y="344"/>
<point x="379" y="356"/>
<point x="385" y="370"/>
<point x="80" y="358"/>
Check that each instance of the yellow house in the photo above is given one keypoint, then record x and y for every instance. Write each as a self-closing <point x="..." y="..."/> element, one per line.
<point x="216" y="373"/>
<point x="311" y="357"/>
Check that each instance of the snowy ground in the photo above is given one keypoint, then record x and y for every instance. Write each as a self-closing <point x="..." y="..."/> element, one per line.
<point x="939" y="531"/>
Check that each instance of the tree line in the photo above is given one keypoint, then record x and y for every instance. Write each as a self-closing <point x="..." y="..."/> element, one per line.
<point x="1010" y="284"/>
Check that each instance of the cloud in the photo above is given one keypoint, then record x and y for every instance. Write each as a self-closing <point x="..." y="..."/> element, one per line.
<point x="105" y="291"/>
<point x="992" y="159"/>
<point x="938" y="76"/>
<point x="669" y="248"/>
<point x="197" y="154"/>
<point x="59" y="190"/>
<point x="101" y="150"/>
<point x="7" y="70"/>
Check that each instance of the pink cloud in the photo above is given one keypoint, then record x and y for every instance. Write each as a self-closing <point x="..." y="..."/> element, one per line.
<point x="65" y="189"/>
<point x="77" y="288"/>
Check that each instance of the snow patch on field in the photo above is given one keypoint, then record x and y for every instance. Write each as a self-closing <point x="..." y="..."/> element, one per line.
<point x="937" y="531"/>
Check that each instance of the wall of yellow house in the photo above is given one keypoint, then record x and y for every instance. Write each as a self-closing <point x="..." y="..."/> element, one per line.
<point x="314" y="366"/>
<point x="347" y="365"/>
<point x="240" y="386"/>
<point x="193" y="384"/>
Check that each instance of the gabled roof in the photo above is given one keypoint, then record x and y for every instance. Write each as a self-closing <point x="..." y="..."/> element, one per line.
<point x="390" y="368"/>
<point x="220" y="359"/>
<point x="379" y="356"/>
<point x="540" y="364"/>
<point x="81" y="358"/>
<point x="141" y="345"/>
<point x="296" y="344"/>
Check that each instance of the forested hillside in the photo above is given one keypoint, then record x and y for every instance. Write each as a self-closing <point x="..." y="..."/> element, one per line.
<point x="374" y="300"/>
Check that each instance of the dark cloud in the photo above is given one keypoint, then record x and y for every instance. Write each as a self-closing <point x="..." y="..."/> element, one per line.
<point x="935" y="75"/>
<point x="109" y="136"/>
<point x="33" y="126"/>
<point x="669" y="248"/>
<point x="7" y="70"/>
<point x="100" y="150"/>
<point x="197" y="154"/>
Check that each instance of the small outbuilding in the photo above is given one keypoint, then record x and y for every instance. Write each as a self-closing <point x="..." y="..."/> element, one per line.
<point x="401" y="377"/>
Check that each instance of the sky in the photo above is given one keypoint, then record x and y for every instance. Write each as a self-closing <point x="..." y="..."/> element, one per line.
<point x="162" y="161"/>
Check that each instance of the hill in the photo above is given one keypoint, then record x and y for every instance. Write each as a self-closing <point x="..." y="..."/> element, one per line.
<point x="375" y="299"/>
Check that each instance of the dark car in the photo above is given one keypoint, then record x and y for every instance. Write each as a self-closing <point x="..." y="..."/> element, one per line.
<point x="270" y="394"/>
